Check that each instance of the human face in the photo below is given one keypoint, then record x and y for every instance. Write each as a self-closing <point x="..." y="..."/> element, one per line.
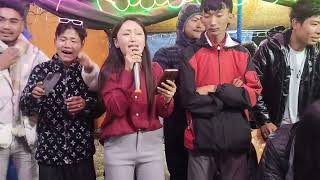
<point x="130" y="37"/>
<point x="68" y="45"/>
<point x="11" y="25"/>
<point x="308" y="32"/>
<point x="216" y="23"/>
<point x="194" y="27"/>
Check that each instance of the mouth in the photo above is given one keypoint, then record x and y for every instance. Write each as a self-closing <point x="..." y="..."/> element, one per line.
<point x="198" y="31"/>
<point x="133" y="47"/>
<point x="5" y="33"/>
<point x="66" y="52"/>
<point x="213" y="29"/>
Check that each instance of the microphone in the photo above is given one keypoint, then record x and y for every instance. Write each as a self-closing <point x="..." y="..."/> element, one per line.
<point x="136" y="77"/>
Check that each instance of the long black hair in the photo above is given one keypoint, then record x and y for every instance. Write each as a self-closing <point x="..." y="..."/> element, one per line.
<point x="306" y="163"/>
<point x="115" y="62"/>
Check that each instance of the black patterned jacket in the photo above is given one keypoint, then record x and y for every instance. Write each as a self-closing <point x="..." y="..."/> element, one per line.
<point x="62" y="138"/>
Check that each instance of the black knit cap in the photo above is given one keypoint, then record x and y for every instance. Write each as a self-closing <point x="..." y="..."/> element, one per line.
<point x="207" y="5"/>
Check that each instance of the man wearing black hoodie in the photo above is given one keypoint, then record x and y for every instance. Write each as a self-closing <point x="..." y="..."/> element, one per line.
<point x="189" y="29"/>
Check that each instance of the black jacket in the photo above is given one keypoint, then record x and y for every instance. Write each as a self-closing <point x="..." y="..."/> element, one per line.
<point x="62" y="138"/>
<point x="274" y="72"/>
<point x="274" y="163"/>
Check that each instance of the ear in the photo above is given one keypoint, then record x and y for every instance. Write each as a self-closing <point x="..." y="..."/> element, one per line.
<point x="82" y="43"/>
<point x="116" y="43"/>
<point x="230" y="17"/>
<point x="294" y="23"/>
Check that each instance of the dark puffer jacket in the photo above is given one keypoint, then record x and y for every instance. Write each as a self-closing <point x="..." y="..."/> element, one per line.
<point x="274" y="163"/>
<point x="273" y="69"/>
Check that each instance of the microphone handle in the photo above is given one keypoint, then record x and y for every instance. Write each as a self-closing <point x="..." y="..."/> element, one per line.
<point x="136" y="76"/>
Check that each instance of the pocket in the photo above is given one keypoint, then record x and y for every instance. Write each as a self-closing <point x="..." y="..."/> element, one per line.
<point x="6" y="136"/>
<point x="113" y="141"/>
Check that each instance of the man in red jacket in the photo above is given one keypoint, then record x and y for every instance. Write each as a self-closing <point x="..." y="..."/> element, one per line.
<point x="218" y="83"/>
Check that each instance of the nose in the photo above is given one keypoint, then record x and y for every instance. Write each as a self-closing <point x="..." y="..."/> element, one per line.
<point x="6" y="25"/>
<point x="213" y="21"/>
<point x="132" y="37"/>
<point x="67" y="44"/>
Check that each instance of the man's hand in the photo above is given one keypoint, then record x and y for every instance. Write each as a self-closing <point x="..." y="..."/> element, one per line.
<point x="267" y="129"/>
<point x="86" y="62"/>
<point x="204" y="90"/>
<point x="8" y="57"/>
<point x="237" y="82"/>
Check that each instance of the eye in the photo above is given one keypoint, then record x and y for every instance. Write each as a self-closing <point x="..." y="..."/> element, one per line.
<point x="14" y="21"/>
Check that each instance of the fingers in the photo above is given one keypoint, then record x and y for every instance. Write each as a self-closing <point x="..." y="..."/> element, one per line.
<point x="169" y="85"/>
<point x="237" y="82"/>
<point x="75" y="104"/>
<point x="265" y="133"/>
<point x="38" y="91"/>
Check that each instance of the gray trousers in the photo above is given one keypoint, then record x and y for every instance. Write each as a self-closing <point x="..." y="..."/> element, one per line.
<point x="23" y="158"/>
<point x="139" y="154"/>
<point x="218" y="166"/>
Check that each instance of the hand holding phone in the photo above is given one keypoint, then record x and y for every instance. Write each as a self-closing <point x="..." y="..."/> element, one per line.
<point x="168" y="74"/>
<point x="166" y="86"/>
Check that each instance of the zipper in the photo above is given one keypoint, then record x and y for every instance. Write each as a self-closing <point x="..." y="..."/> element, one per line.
<point x="219" y="49"/>
<point x="66" y="123"/>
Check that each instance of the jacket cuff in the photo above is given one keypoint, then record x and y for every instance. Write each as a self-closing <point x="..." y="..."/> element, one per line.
<point x="91" y="79"/>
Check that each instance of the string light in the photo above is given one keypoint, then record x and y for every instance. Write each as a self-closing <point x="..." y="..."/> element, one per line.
<point x="140" y="4"/>
<point x="57" y="8"/>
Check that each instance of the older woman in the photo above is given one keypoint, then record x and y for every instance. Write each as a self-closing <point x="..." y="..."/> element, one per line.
<point x="57" y="93"/>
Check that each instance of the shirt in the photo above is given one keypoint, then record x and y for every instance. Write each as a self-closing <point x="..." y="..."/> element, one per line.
<point x="296" y="62"/>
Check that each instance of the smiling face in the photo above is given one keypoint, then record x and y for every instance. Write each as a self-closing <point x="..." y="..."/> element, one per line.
<point x="130" y="37"/>
<point x="68" y="45"/>
<point x="11" y="25"/>
<point x="194" y="27"/>
<point x="308" y="32"/>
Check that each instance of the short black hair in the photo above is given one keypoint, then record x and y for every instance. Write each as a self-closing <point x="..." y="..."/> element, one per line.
<point x="303" y="9"/>
<point x="214" y="5"/>
<point x="15" y="5"/>
<point x="81" y="30"/>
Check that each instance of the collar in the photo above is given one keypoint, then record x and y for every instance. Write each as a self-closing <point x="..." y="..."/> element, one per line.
<point x="57" y="60"/>
<point x="226" y="43"/>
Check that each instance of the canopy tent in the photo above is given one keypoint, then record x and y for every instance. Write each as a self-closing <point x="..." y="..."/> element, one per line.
<point x="103" y="14"/>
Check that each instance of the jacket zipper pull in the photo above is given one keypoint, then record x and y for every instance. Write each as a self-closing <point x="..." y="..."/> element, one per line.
<point x="219" y="48"/>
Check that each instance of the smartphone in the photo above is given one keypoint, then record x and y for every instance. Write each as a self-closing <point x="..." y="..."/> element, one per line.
<point x="168" y="74"/>
<point x="50" y="82"/>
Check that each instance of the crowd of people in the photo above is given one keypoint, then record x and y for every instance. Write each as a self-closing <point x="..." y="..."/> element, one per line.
<point x="48" y="106"/>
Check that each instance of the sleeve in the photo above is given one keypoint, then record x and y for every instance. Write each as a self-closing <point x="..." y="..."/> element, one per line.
<point x="244" y="97"/>
<point x="269" y="167"/>
<point x="91" y="79"/>
<point x="196" y="104"/>
<point x="28" y="104"/>
<point x="161" y="57"/>
<point x="41" y="57"/>
<point x="94" y="105"/>
<point x="118" y="93"/>
<point x="260" y="61"/>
